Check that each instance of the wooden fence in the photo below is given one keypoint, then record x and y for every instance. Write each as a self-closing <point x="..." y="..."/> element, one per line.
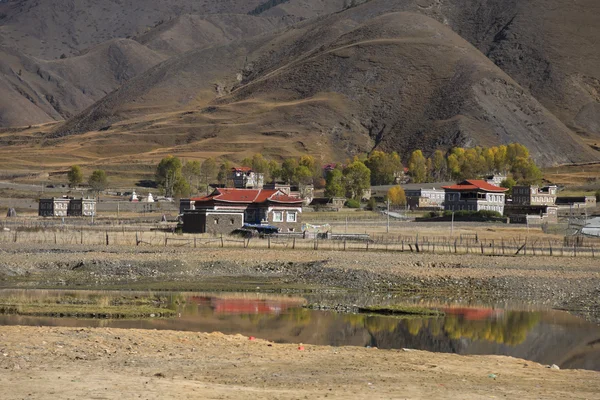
<point x="462" y="244"/>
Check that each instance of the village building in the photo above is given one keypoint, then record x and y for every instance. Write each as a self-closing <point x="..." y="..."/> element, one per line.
<point x="531" y="215"/>
<point x="246" y="178"/>
<point x="327" y="203"/>
<point x="425" y="196"/>
<point x="534" y="195"/>
<point x="495" y="179"/>
<point x="225" y="210"/>
<point x="474" y="195"/>
<point x="576" y="204"/>
<point x="304" y="191"/>
<point x="66" y="207"/>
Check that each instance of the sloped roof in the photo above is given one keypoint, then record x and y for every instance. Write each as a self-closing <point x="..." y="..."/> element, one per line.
<point x="476" y="184"/>
<point x="242" y="169"/>
<point x="248" y="196"/>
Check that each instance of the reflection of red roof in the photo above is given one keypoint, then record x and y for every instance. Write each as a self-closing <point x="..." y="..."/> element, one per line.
<point x="248" y="196"/>
<point x="245" y="306"/>
<point x="475" y="184"/>
<point x="473" y="314"/>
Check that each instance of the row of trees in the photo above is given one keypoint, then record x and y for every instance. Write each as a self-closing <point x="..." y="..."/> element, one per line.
<point x="179" y="178"/>
<point x="97" y="180"/>
<point x="462" y="163"/>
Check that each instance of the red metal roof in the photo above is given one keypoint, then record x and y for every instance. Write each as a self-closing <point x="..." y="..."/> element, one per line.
<point x="475" y="184"/>
<point x="242" y="169"/>
<point x="249" y="196"/>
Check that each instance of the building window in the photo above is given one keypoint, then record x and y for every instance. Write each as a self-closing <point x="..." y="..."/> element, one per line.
<point x="277" y="216"/>
<point x="291" y="217"/>
<point x="216" y="221"/>
<point x="231" y="221"/>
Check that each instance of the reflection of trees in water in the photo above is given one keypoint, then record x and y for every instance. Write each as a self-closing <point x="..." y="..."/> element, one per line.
<point x="511" y="329"/>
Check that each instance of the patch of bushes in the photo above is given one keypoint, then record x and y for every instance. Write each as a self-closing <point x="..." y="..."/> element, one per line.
<point x="482" y="215"/>
<point x="351" y="203"/>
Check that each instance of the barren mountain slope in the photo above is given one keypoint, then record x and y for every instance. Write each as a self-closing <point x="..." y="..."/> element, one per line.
<point x="413" y="83"/>
<point x="399" y="81"/>
<point x="48" y="28"/>
<point x="550" y="47"/>
<point x="189" y="32"/>
<point x="39" y="91"/>
<point x="64" y="87"/>
<point x="36" y="91"/>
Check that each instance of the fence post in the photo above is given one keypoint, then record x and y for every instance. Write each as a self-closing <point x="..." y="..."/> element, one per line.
<point x="81" y="237"/>
<point x="137" y="240"/>
<point x="107" y="238"/>
<point x="481" y="247"/>
<point x="367" y="246"/>
<point x="194" y="242"/>
<point x="222" y="243"/>
<point x="269" y="242"/>
<point x="455" y="249"/>
<point x="294" y="243"/>
<point x="54" y="237"/>
<point x="344" y="244"/>
<point x="550" y="244"/>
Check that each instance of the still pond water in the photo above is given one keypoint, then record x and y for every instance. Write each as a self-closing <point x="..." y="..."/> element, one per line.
<point x="532" y="333"/>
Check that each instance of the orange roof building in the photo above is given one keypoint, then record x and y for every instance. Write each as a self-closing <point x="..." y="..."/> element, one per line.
<point x="474" y="195"/>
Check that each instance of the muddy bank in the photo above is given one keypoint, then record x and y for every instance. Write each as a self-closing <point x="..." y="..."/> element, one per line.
<point x="571" y="284"/>
<point x="113" y="363"/>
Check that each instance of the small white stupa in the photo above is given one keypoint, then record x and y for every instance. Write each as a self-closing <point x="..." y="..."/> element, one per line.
<point x="134" y="197"/>
<point x="150" y="199"/>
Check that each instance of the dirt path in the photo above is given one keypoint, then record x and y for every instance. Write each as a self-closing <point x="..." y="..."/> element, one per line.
<point x="100" y="363"/>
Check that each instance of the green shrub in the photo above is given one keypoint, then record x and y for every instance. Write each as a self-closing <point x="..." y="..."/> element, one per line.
<point x="351" y="203"/>
<point x="488" y="214"/>
<point x="372" y="204"/>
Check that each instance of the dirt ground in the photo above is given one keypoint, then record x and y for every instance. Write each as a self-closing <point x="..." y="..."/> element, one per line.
<point x="102" y="363"/>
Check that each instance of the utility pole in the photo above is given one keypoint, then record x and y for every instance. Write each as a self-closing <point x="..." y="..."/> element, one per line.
<point x="388" y="216"/>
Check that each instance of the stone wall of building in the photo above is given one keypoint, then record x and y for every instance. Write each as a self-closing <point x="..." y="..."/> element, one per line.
<point x="285" y="225"/>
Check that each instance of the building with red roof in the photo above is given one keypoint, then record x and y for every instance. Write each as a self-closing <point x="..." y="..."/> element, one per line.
<point x="474" y="195"/>
<point x="228" y="209"/>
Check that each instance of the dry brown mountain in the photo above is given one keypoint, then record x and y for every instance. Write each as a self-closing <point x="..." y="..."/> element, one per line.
<point x="37" y="91"/>
<point x="369" y="76"/>
<point x="48" y="28"/>
<point x="398" y="81"/>
<point x="188" y="32"/>
<point x="550" y="47"/>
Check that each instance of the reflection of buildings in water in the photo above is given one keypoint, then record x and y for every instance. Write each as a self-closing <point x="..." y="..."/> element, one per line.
<point x="245" y="306"/>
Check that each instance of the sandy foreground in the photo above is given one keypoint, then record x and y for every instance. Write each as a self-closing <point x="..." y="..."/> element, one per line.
<point x="102" y="363"/>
